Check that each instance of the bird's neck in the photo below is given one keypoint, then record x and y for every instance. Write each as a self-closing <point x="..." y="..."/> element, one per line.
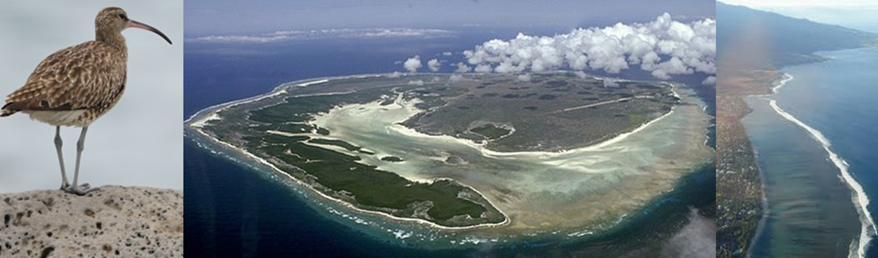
<point x="114" y="39"/>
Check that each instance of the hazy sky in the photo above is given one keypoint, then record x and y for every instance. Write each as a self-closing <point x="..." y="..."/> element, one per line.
<point x="205" y="17"/>
<point x="856" y="14"/>
<point x="139" y="142"/>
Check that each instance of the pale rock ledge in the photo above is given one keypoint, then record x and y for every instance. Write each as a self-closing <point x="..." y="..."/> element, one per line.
<point x="113" y="221"/>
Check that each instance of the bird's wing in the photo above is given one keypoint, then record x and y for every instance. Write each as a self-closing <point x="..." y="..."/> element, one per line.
<point x="79" y="77"/>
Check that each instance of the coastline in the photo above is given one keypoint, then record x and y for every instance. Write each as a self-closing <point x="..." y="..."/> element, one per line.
<point x="765" y="211"/>
<point x="858" y="196"/>
<point x="201" y="117"/>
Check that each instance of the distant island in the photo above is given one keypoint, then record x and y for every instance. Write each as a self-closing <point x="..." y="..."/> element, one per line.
<point x="473" y="151"/>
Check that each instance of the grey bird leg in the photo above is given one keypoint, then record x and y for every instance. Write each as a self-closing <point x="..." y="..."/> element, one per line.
<point x="58" y="143"/>
<point x="75" y="188"/>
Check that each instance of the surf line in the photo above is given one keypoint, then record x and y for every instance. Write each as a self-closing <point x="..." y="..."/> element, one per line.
<point x="786" y="78"/>
<point x="859" y="199"/>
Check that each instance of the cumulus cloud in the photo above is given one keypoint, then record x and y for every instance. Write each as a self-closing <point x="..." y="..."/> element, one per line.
<point x="711" y="80"/>
<point x="412" y="64"/>
<point x="663" y="47"/>
<point x="483" y="68"/>
<point x="434" y="65"/>
<point x="455" y="77"/>
<point x="610" y="83"/>
<point x="462" y="68"/>
<point x="524" y="77"/>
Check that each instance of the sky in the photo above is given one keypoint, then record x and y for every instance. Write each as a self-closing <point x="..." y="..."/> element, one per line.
<point x="664" y="38"/>
<point x="139" y="142"/>
<point x="222" y="17"/>
<point x="855" y="14"/>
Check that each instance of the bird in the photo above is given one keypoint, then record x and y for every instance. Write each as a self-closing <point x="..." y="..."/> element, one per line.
<point x="75" y="86"/>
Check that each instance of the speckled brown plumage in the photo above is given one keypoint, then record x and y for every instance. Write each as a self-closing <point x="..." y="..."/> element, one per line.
<point x="76" y="85"/>
<point x="88" y="77"/>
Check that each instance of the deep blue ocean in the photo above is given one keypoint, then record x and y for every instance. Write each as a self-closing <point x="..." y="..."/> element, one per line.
<point x="836" y="97"/>
<point x="232" y="211"/>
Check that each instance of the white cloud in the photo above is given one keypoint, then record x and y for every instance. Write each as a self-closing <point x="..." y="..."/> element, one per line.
<point x="710" y="80"/>
<point x="446" y="53"/>
<point x="524" y="77"/>
<point x="455" y="77"/>
<point x="434" y="65"/>
<point x="483" y="68"/>
<point x="412" y="64"/>
<point x="609" y="83"/>
<point x="663" y="47"/>
<point x="462" y="68"/>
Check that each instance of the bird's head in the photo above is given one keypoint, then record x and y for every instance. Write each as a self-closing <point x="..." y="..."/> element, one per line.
<point x="113" y="20"/>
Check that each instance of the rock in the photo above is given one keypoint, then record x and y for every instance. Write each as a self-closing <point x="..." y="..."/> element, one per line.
<point x="111" y="221"/>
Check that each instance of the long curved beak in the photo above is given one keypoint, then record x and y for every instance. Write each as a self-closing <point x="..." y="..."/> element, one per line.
<point x="135" y="24"/>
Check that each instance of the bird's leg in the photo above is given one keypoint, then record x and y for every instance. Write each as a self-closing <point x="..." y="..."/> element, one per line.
<point x="75" y="188"/>
<point x="58" y="143"/>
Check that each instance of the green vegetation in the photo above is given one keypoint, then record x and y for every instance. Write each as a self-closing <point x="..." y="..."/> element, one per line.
<point x="543" y="120"/>
<point x="490" y="131"/>
<point x="342" y="175"/>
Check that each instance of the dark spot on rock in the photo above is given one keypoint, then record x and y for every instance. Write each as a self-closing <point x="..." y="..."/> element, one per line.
<point x="90" y="213"/>
<point x="49" y="234"/>
<point x="47" y="251"/>
<point x="49" y="201"/>
<point x="6" y="219"/>
<point x="99" y="225"/>
<point x="107" y="248"/>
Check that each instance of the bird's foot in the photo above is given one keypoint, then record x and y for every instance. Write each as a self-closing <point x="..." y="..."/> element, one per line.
<point x="65" y="185"/>
<point x="79" y="190"/>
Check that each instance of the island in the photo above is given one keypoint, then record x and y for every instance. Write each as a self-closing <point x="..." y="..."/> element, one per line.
<point x="558" y="153"/>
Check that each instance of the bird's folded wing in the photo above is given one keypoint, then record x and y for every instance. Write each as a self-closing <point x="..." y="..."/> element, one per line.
<point x="79" y="77"/>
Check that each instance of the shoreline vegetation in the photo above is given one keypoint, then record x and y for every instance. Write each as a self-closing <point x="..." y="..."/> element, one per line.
<point x="739" y="192"/>
<point x="295" y="165"/>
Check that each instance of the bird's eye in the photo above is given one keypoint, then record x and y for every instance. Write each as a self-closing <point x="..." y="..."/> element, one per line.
<point x="123" y="16"/>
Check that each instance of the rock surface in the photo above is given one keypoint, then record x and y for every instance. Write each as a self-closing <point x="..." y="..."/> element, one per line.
<point x="113" y="221"/>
